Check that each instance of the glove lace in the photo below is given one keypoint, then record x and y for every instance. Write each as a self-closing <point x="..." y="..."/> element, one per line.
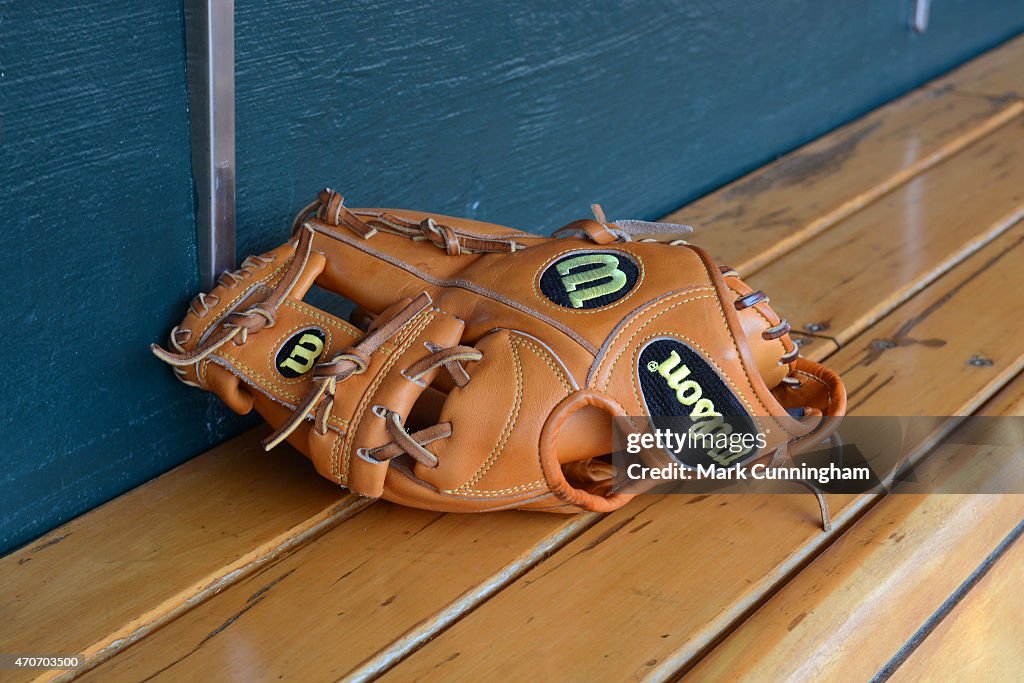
<point x="329" y="207"/>
<point x="404" y="443"/>
<point x="319" y="401"/>
<point x="237" y="326"/>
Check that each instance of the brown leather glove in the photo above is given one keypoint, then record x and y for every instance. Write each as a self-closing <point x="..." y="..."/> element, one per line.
<point x="483" y="365"/>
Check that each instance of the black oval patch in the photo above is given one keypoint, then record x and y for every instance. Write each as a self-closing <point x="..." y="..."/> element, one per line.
<point x="685" y="395"/>
<point x="299" y="354"/>
<point x="583" y="280"/>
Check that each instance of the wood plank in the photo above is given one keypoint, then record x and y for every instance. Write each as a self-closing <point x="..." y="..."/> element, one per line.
<point x="981" y="638"/>
<point x="348" y="595"/>
<point x="1009" y="401"/>
<point x="850" y="611"/>
<point x="112" y="575"/>
<point x="973" y="313"/>
<point x="846" y="279"/>
<point x="998" y="74"/>
<point x="610" y="606"/>
<point x="741" y="549"/>
<point x="773" y="210"/>
<point x="815" y="347"/>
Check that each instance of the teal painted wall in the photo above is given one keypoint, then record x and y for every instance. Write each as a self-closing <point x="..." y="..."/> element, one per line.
<point x="100" y="256"/>
<point x="527" y="114"/>
<point x="521" y="113"/>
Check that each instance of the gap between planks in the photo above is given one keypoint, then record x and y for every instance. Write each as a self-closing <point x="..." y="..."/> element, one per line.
<point x="197" y="593"/>
<point x="393" y="655"/>
<point x="850" y="207"/>
<point x="982" y="387"/>
<point x="409" y="643"/>
<point x="830" y="595"/>
<point x="400" y="649"/>
<point x="687" y="656"/>
<point x="376" y="666"/>
<point x="947" y="607"/>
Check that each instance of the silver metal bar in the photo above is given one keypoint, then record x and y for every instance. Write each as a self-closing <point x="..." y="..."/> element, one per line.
<point x="919" y="15"/>
<point x="210" y="46"/>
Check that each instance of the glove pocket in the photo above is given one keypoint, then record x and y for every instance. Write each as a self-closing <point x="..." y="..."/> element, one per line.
<point x="372" y="415"/>
<point x="491" y="457"/>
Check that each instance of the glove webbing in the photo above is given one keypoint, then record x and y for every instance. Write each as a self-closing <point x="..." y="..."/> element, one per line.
<point x="330" y="208"/>
<point x="355" y="360"/>
<point x="250" y="321"/>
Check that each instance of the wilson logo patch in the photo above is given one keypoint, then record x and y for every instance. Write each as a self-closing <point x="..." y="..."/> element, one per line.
<point x="684" y="394"/>
<point x="299" y="354"/>
<point x="589" y="279"/>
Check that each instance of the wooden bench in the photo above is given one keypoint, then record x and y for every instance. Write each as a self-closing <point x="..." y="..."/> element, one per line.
<point x="903" y="226"/>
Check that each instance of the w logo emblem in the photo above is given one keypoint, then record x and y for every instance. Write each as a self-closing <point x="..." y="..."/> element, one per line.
<point x="298" y="355"/>
<point x="589" y="279"/>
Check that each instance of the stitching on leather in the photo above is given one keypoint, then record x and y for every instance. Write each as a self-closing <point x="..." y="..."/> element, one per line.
<point x="559" y="375"/>
<point x="817" y="379"/>
<point x="411" y="222"/>
<point x="303" y="307"/>
<point x="558" y="372"/>
<point x="640" y="329"/>
<point x="230" y="367"/>
<point x="763" y="317"/>
<point x="334" y="456"/>
<point x="403" y="343"/>
<point x="549" y="353"/>
<point x="635" y="314"/>
<point x="640" y="345"/>
<point x="496" y="492"/>
<point x="457" y="283"/>
<point x="341" y="437"/>
<point x="258" y="284"/>
<point x="266" y="381"/>
<point x="739" y="356"/>
<point x="341" y="469"/>
<point x="510" y="423"/>
<point x="257" y="375"/>
<point x="540" y="271"/>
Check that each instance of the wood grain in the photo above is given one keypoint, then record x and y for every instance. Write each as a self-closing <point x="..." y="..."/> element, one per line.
<point x="327" y="608"/>
<point x="996" y="74"/>
<point x="853" y="608"/>
<point x="658" y="607"/>
<point x="814" y="347"/>
<point x="770" y="212"/>
<point x="981" y="638"/>
<point x="111" y="576"/>
<point x="956" y="343"/>
<point x="846" y="279"/>
<point x="1009" y="401"/>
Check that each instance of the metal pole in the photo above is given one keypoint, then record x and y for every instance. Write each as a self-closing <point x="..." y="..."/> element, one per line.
<point x="919" y="12"/>
<point x="210" y="46"/>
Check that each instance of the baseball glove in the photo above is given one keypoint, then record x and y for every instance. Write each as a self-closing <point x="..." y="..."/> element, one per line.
<point x="483" y="366"/>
